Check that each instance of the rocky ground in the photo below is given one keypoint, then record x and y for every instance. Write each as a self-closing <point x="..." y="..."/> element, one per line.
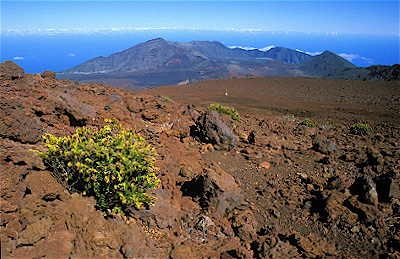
<point x="265" y="187"/>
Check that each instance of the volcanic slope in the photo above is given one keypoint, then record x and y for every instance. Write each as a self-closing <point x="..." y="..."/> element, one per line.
<point x="331" y="99"/>
<point x="277" y="189"/>
<point x="161" y="54"/>
<point x="160" y="62"/>
<point x="330" y="65"/>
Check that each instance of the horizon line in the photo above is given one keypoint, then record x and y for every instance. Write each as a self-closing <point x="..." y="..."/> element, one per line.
<point x="115" y="30"/>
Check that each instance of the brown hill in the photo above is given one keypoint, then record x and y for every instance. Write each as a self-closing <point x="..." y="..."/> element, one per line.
<point x="282" y="190"/>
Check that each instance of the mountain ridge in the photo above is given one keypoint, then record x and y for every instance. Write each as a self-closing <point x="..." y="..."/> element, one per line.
<point x="161" y="54"/>
<point x="160" y="62"/>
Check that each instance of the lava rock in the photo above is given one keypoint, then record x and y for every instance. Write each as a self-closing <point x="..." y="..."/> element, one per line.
<point x="49" y="74"/>
<point x="334" y="209"/>
<point x="210" y="128"/>
<point x="339" y="182"/>
<point x="324" y="146"/>
<point x="223" y="191"/>
<point x="191" y="111"/>
<point x="245" y="225"/>
<point x="252" y="138"/>
<point x="312" y="245"/>
<point x="10" y="70"/>
<point x="374" y="156"/>
<point x="365" y="188"/>
<point x="16" y="126"/>
<point x="388" y="186"/>
<point x="216" y="189"/>
<point x="78" y="113"/>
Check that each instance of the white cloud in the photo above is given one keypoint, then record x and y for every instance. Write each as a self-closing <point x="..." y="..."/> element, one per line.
<point x="349" y="57"/>
<point x="314" y="53"/>
<point x="114" y="30"/>
<point x="241" y="47"/>
<point x="267" y="48"/>
<point x="310" y="53"/>
<point x="252" y="48"/>
<point x="71" y="55"/>
<point x="352" y="57"/>
<point x="18" y="58"/>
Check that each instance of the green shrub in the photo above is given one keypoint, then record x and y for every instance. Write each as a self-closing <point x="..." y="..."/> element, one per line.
<point x="360" y="129"/>
<point x="166" y="99"/>
<point x="291" y="117"/>
<point x="225" y="109"/>
<point x="111" y="164"/>
<point x="308" y="123"/>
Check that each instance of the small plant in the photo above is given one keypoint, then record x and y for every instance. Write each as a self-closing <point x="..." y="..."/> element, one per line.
<point x="166" y="99"/>
<point x="291" y="117"/>
<point x="360" y="129"/>
<point x="111" y="164"/>
<point x="225" y="109"/>
<point x="307" y="123"/>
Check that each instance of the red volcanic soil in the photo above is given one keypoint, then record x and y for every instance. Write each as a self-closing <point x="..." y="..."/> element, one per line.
<point x="265" y="187"/>
<point x="306" y="97"/>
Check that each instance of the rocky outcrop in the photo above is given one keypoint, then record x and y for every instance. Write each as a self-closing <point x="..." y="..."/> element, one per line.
<point x="365" y="188"/>
<point x="49" y="74"/>
<point x="324" y="146"/>
<point x="210" y="128"/>
<point x="215" y="189"/>
<point x="10" y="70"/>
<point x="383" y="73"/>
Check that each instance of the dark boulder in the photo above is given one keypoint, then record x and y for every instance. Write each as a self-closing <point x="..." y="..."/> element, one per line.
<point x="252" y="137"/>
<point x="324" y="146"/>
<point x="10" y="70"/>
<point x="365" y="188"/>
<point x="388" y="186"/>
<point x="216" y="189"/>
<point x="210" y="128"/>
<point x="49" y="74"/>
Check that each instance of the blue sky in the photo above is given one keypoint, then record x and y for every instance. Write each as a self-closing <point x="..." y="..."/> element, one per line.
<point x="354" y="17"/>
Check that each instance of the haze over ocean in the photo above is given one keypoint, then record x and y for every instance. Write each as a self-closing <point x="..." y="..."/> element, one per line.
<point x="58" y="35"/>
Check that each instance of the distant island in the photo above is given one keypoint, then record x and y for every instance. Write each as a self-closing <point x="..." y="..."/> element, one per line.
<point x="159" y="62"/>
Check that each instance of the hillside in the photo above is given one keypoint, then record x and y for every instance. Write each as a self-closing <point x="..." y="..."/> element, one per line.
<point x="327" y="64"/>
<point x="286" y="55"/>
<point x="266" y="187"/>
<point x="330" y="65"/>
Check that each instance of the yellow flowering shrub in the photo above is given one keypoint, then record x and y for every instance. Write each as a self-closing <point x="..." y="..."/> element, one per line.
<point x="113" y="164"/>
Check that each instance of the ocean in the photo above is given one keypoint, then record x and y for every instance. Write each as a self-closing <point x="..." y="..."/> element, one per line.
<point x="36" y="53"/>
